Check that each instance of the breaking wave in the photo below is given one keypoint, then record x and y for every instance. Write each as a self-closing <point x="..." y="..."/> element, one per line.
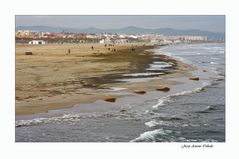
<point x="36" y="121"/>
<point x="163" y="100"/>
<point x="150" y="136"/>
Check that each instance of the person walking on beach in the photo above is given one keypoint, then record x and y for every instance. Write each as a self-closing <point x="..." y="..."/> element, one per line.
<point x="92" y="48"/>
<point x="69" y="51"/>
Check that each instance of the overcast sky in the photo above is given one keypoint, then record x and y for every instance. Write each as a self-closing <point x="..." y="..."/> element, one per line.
<point x="207" y="23"/>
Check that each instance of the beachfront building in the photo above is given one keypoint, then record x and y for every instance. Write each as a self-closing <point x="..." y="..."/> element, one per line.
<point x="121" y="41"/>
<point x="22" y="33"/>
<point x="37" y="42"/>
<point x="193" y="38"/>
<point x="177" y="41"/>
<point x="27" y="34"/>
<point x="165" y="42"/>
<point x="102" y="41"/>
<point x="106" y="40"/>
<point x="91" y="36"/>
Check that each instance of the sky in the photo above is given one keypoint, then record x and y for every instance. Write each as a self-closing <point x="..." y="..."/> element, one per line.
<point x="214" y="23"/>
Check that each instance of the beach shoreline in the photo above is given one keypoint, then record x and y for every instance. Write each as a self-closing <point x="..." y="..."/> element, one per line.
<point x="53" y="79"/>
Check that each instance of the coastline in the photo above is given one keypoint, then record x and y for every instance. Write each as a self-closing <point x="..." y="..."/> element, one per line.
<point x="83" y="70"/>
<point x="192" y="111"/>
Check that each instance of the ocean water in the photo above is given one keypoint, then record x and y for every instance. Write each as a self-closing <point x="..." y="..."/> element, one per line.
<point x="193" y="111"/>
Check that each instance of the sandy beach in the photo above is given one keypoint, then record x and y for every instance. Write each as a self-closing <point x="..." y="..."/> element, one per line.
<point x="55" y="78"/>
<point x="155" y="94"/>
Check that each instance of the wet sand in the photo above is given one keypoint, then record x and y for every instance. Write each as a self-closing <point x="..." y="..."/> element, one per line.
<point x="52" y="78"/>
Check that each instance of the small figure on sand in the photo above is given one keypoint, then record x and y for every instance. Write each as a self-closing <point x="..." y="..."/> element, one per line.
<point x="69" y="51"/>
<point x="105" y="45"/>
<point x="92" y="48"/>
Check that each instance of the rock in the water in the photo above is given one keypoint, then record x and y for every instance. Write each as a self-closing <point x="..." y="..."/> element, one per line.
<point x="164" y="89"/>
<point x="110" y="99"/>
<point x="139" y="92"/>
<point x="123" y="110"/>
<point x="203" y="89"/>
<point x="194" y="78"/>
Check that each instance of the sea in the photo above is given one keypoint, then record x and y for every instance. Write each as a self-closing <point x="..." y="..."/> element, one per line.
<point x="192" y="111"/>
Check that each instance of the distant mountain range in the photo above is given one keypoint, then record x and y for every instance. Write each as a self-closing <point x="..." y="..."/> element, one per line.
<point x="128" y="30"/>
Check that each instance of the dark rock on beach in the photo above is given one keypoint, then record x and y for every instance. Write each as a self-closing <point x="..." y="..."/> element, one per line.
<point x="28" y="53"/>
<point x="163" y="89"/>
<point x="110" y="99"/>
<point x="194" y="78"/>
<point x="139" y="92"/>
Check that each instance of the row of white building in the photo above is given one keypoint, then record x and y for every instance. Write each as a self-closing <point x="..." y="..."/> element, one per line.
<point x="145" y="38"/>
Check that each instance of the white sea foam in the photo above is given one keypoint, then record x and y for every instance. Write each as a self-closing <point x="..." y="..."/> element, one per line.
<point x="213" y="63"/>
<point x="117" y="88"/>
<point x="215" y="58"/>
<point x="36" y="121"/>
<point x="149" y="136"/>
<point x="151" y="123"/>
<point x="142" y="74"/>
<point x="187" y="92"/>
<point x="161" y="101"/>
<point x="168" y="98"/>
<point x="185" y="125"/>
<point x="160" y="63"/>
<point x="159" y="66"/>
<point x="205" y="84"/>
<point x="132" y="80"/>
<point x="162" y="52"/>
<point x="220" y="77"/>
